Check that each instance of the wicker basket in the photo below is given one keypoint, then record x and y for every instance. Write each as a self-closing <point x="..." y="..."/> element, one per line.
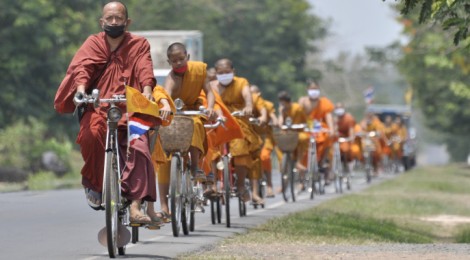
<point x="286" y="141"/>
<point x="178" y="135"/>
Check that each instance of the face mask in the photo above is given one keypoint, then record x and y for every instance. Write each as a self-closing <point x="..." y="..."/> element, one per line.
<point x="181" y="69"/>
<point x="225" y="79"/>
<point x="114" y="31"/>
<point x="314" y="93"/>
<point x="340" y="111"/>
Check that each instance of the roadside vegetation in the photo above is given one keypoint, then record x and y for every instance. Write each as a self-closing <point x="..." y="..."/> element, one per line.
<point x="425" y="205"/>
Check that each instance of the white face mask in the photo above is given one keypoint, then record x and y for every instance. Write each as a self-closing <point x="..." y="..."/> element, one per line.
<point x="225" y="79"/>
<point x="314" y="93"/>
<point x="340" y="111"/>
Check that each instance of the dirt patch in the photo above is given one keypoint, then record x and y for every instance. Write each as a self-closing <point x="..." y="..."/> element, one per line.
<point x="447" y="220"/>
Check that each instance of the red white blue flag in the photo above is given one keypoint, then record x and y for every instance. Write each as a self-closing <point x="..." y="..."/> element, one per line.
<point x="369" y="95"/>
<point x="137" y="127"/>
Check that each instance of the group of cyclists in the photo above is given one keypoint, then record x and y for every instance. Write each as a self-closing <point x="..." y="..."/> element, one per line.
<point x="249" y="123"/>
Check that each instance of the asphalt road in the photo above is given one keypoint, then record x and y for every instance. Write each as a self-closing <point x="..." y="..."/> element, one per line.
<point x="60" y="225"/>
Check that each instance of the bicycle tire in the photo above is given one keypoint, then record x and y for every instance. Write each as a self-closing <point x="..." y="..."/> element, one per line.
<point x="285" y="176"/>
<point x="314" y="174"/>
<point x="293" y="182"/>
<point x="213" y="211"/>
<point x="368" y="168"/>
<point x="219" y="210"/>
<point x="186" y="201"/>
<point x="192" y="216"/>
<point x="175" y="194"/>
<point x="112" y="203"/>
<point x="227" y="189"/>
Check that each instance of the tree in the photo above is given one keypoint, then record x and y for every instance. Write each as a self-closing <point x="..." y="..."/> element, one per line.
<point x="451" y="14"/>
<point x="439" y="73"/>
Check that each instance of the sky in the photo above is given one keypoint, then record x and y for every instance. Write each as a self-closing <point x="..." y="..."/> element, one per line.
<point x="357" y="23"/>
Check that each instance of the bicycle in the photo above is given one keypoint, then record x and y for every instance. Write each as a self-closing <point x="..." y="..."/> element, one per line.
<point x="340" y="167"/>
<point x="184" y="193"/>
<point x="368" y="148"/>
<point x="115" y="236"/>
<point x="287" y="142"/>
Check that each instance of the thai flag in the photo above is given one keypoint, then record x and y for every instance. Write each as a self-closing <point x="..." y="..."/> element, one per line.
<point x="369" y="95"/>
<point x="137" y="127"/>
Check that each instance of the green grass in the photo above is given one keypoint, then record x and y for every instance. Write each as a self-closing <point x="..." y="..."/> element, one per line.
<point x="390" y="212"/>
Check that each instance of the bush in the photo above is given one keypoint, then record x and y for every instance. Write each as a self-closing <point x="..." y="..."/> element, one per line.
<point x="23" y="144"/>
<point x="42" y="181"/>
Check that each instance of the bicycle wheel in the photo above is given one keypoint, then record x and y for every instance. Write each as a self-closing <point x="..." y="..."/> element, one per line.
<point x="219" y="210"/>
<point x="368" y="167"/>
<point x="293" y="183"/>
<point x="175" y="194"/>
<point x="227" y="189"/>
<point x="192" y="216"/>
<point x="213" y="211"/>
<point x="285" y="176"/>
<point x="112" y="202"/>
<point x="186" y="201"/>
<point x="313" y="172"/>
<point x="337" y="170"/>
<point x="241" y="207"/>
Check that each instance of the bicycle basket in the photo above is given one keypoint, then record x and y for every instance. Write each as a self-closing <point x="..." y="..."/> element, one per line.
<point x="178" y="135"/>
<point x="286" y="141"/>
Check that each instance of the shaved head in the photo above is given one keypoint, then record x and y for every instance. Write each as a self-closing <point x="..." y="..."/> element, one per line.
<point x="339" y="105"/>
<point x="176" y="47"/>
<point x="224" y="63"/>
<point x="117" y="6"/>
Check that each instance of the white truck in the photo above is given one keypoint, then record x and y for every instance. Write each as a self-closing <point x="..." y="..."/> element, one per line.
<point x="160" y="40"/>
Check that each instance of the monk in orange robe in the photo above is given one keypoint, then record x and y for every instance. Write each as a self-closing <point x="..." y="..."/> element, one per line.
<point x="371" y="123"/>
<point x="109" y="61"/>
<point x="185" y="81"/>
<point x="294" y="112"/>
<point x="319" y="109"/>
<point x="235" y="93"/>
<point x="399" y="130"/>
<point x="217" y="138"/>
<point x="345" y="126"/>
<point x="266" y="133"/>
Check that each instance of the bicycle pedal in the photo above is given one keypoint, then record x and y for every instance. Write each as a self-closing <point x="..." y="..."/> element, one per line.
<point x="135" y="224"/>
<point x="153" y="227"/>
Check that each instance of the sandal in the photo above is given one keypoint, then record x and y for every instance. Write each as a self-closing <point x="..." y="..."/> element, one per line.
<point x="244" y="195"/>
<point x="93" y="199"/>
<point x="140" y="219"/>
<point x="165" y="217"/>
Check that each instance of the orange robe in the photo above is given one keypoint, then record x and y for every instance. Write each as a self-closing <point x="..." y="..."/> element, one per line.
<point x="397" y="148"/>
<point x="258" y="105"/>
<point x="95" y="66"/>
<point x="377" y="126"/>
<point x="193" y="82"/>
<point x="219" y="136"/>
<point x="158" y="155"/>
<point x="298" y="116"/>
<point x="244" y="149"/>
<point x="268" y="146"/>
<point x="345" y="123"/>
<point x="324" y="106"/>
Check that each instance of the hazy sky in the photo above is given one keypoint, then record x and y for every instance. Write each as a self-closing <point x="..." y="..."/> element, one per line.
<point x="357" y="23"/>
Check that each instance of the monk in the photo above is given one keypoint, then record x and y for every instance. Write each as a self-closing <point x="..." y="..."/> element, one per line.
<point x="211" y="74"/>
<point x="319" y="109"/>
<point x="371" y="123"/>
<point x="235" y="93"/>
<point x="268" y="138"/>
<point x="345" y="126"/>
<point x="109" y="61"/>
<point x="185" y="81"/>
<point x="399" y="130"/>
<point x="294" y="112"/>
<point x="388" y="124"/>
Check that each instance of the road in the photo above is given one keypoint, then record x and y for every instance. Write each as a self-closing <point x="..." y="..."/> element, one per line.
<point x="60" y="225"/>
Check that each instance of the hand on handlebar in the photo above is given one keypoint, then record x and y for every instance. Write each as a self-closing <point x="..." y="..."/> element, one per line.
<point x="248" y="111"/>
<point x="211" y="114"/>
<point x="79" y="96"/>
<point x="165" y="111"/>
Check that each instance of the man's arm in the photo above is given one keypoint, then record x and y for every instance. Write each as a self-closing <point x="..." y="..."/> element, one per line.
<point x="210" y="98"/>
<point x="170" y="85"/>
<point x="329" y="122"/>
<point x="246" y="93"/>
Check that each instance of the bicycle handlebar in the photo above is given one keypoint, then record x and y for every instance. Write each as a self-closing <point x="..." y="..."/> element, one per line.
<point x="252" y="120"/>
<point x="219" y="121"/>
<point x="82" y="98"/>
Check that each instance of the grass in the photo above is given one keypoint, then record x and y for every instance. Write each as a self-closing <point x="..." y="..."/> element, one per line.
<point x="391" y="212"/>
